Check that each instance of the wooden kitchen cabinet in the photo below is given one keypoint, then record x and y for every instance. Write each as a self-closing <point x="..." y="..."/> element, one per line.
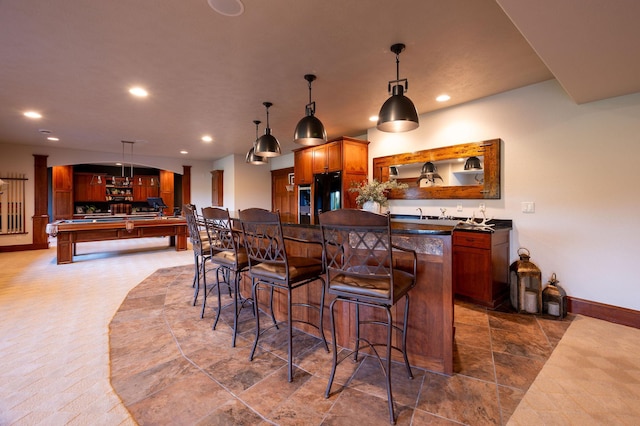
<point x="62" y="192"/>
<point x="481" y="266"/>
<point x="347" y="155"/>
<point x="303" y="166"/>
<point x="145" y="187"/>
<point x="217" y="188"/>
<point x="86" y="187"/>
<point x="327" y="158"/>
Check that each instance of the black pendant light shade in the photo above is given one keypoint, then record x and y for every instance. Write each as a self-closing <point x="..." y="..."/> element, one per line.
<point x="252" y="158"/>
<point x="310" y="131"/>
<point x="472" y="163"/>
<point x="398" y="114"/>
<point x="267" y="145"/>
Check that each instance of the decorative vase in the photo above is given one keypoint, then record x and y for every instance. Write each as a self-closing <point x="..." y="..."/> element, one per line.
<point x="371" y="206"/>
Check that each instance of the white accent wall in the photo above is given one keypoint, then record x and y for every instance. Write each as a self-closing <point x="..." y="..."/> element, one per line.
<point x="579" y="164"/>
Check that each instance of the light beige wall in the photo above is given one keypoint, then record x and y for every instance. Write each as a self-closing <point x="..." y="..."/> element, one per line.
<point x="19" y="159"/>
<point x="252" y="185"/>
<point x="578" y="163"/>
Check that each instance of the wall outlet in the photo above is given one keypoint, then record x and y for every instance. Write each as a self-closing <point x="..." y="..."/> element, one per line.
<point x="528" y="207"/>
<point x="459" y="208"/>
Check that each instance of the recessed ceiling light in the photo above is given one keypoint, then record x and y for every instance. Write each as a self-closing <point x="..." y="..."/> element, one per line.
<point x="443" y="98"/>
<point x="184" y="152"/>
<point x="227" y="7"/>
<point x="207" y="138"/>
<point x="118" y="164"/>
<point x="139" y="92"/>
<point x="53" y="138"/>
<point x="32" y="114"/>
<point x="373" y="118"/>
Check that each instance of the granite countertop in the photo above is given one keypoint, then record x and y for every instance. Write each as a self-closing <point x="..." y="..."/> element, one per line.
<point x="407" y="224"/>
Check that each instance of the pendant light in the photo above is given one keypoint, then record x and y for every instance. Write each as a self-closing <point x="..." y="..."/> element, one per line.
<point x="310" y="131"/>
<point x="252" y="158"/>
<point x="267" y="145"/>
<point x="398" y="114"/>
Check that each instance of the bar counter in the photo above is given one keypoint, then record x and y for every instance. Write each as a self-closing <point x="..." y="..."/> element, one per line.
<point x="430" y="331"/>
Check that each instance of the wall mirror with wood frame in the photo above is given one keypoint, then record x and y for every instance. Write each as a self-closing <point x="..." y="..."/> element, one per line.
<point x="444" y="173"/>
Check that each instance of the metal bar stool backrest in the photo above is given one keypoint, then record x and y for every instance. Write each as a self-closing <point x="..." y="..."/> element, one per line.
<point x="358" y="254"/>
<point x="195" y="235"/>
<point x="221" y="235"/>
<point x="264" y="241"/>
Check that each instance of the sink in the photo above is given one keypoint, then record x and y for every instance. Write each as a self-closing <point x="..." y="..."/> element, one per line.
<point x="441" y="222"/>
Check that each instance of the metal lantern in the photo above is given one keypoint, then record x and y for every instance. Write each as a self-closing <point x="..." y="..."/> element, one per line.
<point x="554" y="299"/>
<point x="525" y="282"/>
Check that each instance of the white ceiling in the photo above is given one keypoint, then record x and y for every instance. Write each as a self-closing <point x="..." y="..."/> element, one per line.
<point x="74" y="61"/>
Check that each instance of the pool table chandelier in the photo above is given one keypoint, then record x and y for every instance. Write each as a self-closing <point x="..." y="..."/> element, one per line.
<point x="124" y="179"/>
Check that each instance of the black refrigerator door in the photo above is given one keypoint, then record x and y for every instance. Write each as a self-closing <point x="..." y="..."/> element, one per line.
<point x="328" y="194"/>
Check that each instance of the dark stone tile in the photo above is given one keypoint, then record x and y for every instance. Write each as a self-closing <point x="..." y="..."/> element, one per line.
<point x="516" y="371"/>
<point x="155" y="346"/>
<point x="554" y="329"/>
<point x="307" y="405"/>
<point x="183" y="402"/>
<point x="423" y="418"/>
<point x="269" y="393"/>
<point x="474" y="362"/>
<point x="232" y="413"/>
<point x="509" y="400"/>
<point x="528" y="344"/>
<point x="463" y="399"/>
<point x="514" y="322"/>
<point x="134" y="387"/>
<point x="353" y="407"/>
<point x="467" y="313"/>
<point x="371" y="379"/>
<point x="237" y="373"/>
<point x="473" y="335"/>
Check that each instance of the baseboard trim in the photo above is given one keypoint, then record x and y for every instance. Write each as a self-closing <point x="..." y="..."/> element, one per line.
<point x="605" y="312"/>
<point x="24" y="247"/>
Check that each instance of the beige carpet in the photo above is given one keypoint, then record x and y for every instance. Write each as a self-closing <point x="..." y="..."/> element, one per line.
<point x="591" y="378"/>
<point x="54" y="354"/>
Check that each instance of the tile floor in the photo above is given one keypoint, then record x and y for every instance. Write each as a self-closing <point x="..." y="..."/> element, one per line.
<point x="55" y="358"/>
<point x="168" y="366"/>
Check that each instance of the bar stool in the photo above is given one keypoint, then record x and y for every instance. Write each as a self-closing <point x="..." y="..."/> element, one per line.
<point x="361" y="270"/>
<point x="231" y="258"/>
<point x="270" y="265"/>
<point x="200" y="244"/>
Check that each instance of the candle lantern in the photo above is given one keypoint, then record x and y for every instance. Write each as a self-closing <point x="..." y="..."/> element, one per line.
<point x="525" y="281"/>
<point x="554" y="299"/>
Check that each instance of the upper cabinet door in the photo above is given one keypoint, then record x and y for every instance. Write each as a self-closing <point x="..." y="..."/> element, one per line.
<point x="327" y="158"/>
<point x="303" y="166"/>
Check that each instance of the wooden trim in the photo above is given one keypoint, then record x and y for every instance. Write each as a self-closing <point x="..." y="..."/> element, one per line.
<point x="23" y="247"/>
<point x="615" y="314"/>
<point x="186" y="184"/>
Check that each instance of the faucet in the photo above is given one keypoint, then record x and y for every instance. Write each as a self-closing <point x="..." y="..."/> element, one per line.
<point x="443" y="213"/>
<point x="420" y="210"/>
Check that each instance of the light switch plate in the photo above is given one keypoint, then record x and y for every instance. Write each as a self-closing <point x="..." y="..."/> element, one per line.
<point x="528" y="207"/>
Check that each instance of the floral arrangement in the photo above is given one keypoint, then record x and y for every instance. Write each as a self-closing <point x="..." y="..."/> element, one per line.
<point x="375" y="191"/>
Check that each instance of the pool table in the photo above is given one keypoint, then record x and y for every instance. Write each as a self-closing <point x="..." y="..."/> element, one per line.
<point x="70" y="232"/>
